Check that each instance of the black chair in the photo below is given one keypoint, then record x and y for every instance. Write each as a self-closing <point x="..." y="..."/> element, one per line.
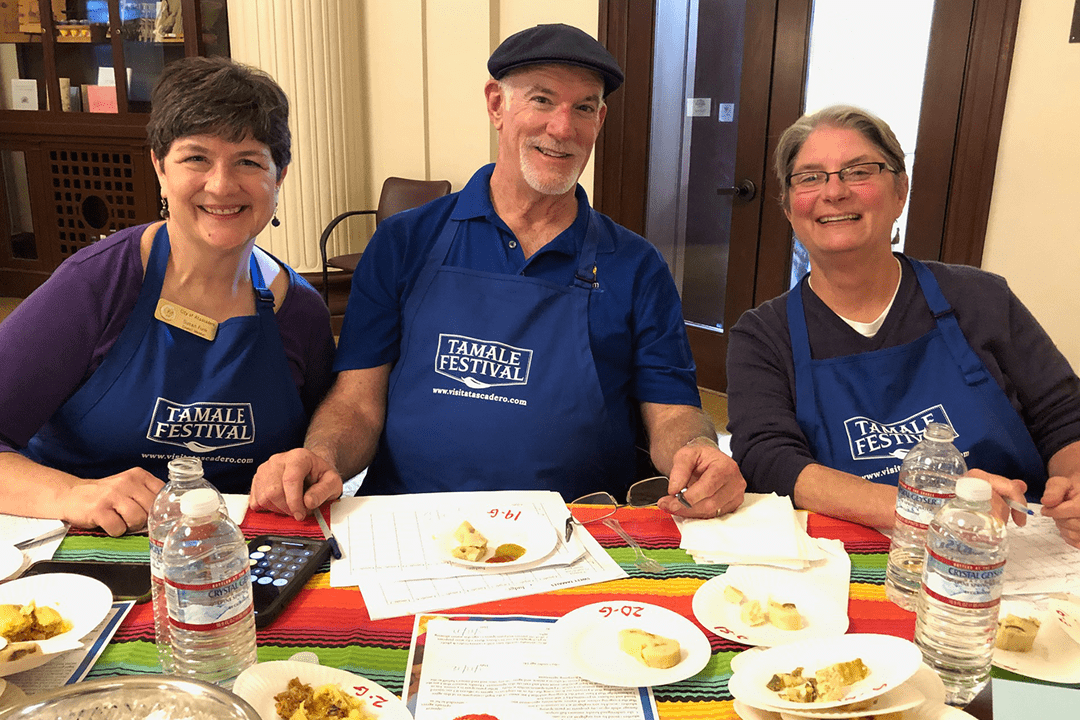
<point x="397" y="194"/>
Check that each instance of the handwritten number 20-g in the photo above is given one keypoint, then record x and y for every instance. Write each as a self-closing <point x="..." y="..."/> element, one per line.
<point x="625" y="610"/>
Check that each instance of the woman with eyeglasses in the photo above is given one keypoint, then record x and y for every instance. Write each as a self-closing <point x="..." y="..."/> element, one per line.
<point x="830" y="384"/>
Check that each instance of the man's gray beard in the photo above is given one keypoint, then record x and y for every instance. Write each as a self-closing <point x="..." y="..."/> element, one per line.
<point x="558" y="186"/>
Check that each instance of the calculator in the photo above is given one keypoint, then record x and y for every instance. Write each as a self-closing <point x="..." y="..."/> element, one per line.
<point x="280" y="566"/>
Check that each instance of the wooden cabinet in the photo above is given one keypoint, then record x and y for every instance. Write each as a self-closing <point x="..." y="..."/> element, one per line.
<point x="76" y="79"/>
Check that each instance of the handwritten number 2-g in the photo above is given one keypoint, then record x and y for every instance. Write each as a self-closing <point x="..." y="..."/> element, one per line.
<point x="363" y="693"/>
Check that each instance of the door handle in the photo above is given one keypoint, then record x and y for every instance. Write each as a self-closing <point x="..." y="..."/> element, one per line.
<point x="745" y="190"/>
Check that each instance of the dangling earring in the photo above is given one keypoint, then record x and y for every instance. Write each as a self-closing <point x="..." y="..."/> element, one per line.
<point x="164" y="208"/>
<point x="275" y="222"/>
<point x="896" y="236"/>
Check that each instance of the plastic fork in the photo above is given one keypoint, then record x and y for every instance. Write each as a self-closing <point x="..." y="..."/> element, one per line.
<point x="642" y="562"/>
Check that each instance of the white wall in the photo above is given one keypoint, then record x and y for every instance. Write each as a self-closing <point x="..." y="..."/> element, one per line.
<point x="1033" y="237"/>
<point x="425" y="65"/>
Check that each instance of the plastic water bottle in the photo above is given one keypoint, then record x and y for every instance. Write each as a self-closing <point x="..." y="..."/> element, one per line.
<point x="927" y="480"/>
<point x="208" y="587"/>
<point x="956" y="620"/>
<point x="185" y="474"/>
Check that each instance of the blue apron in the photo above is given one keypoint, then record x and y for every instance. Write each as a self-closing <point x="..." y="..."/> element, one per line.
<point x="862" y="413"/>
<point x="161" y="392"/>
<point x="496" y="387"/>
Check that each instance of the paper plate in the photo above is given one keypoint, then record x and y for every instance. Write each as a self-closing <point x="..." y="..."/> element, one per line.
<point x="1066" y="610"/>
<point x="892" y="662"/>
<point x="748" y="712"/>
<point x="489" y="709"/>
<point x="820" y="616"/>
<point x="261" y="682"/>
<point x="11" y="561"/>
<point x="1054" y="657"/>
<point x="519" y="526"/>
<point x="737" y="661"/>
<point x="586" y="641"/>
<point x="924" y="691"/>
<point x="81" y="600"/>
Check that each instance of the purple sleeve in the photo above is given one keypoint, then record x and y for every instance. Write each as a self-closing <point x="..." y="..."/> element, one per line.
<point x="309" y="341"/>
<point x="57" y="337"/>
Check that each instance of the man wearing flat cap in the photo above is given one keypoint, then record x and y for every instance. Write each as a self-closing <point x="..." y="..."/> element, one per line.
<point x="509" y="336"/>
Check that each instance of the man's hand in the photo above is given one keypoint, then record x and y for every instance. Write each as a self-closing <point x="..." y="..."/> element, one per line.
<point x="1061" y="501"/>
<point x="294" y="483"/>
<point x="116" y="504"/>
<point x="1004" y="488"/>
<point x="714" y="485"/>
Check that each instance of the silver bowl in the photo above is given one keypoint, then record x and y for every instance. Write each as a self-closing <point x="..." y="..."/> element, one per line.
<point x="134" y="697"/>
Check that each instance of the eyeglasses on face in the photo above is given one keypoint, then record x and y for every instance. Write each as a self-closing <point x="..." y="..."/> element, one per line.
<point x="851" y="175"/>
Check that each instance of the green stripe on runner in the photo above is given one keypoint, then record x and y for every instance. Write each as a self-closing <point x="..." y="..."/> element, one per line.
<point x="130" y="548"/>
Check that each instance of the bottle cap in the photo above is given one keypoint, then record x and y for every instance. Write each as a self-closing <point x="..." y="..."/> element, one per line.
<point x="199" y="502"/>
<point x="968" y="488"/>
<point x="939" y="432"/>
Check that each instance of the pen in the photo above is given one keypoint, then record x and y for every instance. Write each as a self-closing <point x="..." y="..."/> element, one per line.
<point x="335" y="550"/>
<point x="683" y="500"/>
<point x="1017" y="506"/>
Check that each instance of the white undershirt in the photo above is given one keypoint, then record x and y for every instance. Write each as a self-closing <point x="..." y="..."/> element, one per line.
<point x="870" y="329"/>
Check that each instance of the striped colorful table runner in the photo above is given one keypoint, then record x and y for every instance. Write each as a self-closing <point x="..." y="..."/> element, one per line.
<point x="334" y="623"/>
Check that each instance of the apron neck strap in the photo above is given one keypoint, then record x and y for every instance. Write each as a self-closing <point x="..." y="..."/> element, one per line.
<point x="585" y="275"/>
<point x="262" y="293"/>
<point x="970" y="364"/>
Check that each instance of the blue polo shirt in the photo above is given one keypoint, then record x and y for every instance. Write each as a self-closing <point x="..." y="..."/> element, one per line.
<point x="636" y="327"/>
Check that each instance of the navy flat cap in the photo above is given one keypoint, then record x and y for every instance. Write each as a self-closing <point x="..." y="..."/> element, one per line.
<point x="555" y="43"/>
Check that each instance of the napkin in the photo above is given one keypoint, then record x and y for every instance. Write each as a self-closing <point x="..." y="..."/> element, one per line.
<point x="765" y="530"/>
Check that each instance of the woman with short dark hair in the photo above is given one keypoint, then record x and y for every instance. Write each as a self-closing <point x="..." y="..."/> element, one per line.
<point x="831" y="384"/>
<point x="174" y="338"/>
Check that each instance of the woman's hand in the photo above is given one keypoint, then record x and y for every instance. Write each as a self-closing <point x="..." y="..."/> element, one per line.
<point x="116" y="504"/>
<point x="1061" y="501"/>
<point x="1004" y="488"/>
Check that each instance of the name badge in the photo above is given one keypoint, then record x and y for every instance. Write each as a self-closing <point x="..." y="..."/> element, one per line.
<point x="187" y="320"/>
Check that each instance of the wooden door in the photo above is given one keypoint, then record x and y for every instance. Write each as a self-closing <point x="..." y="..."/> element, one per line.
<point x="967" y="71"/>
